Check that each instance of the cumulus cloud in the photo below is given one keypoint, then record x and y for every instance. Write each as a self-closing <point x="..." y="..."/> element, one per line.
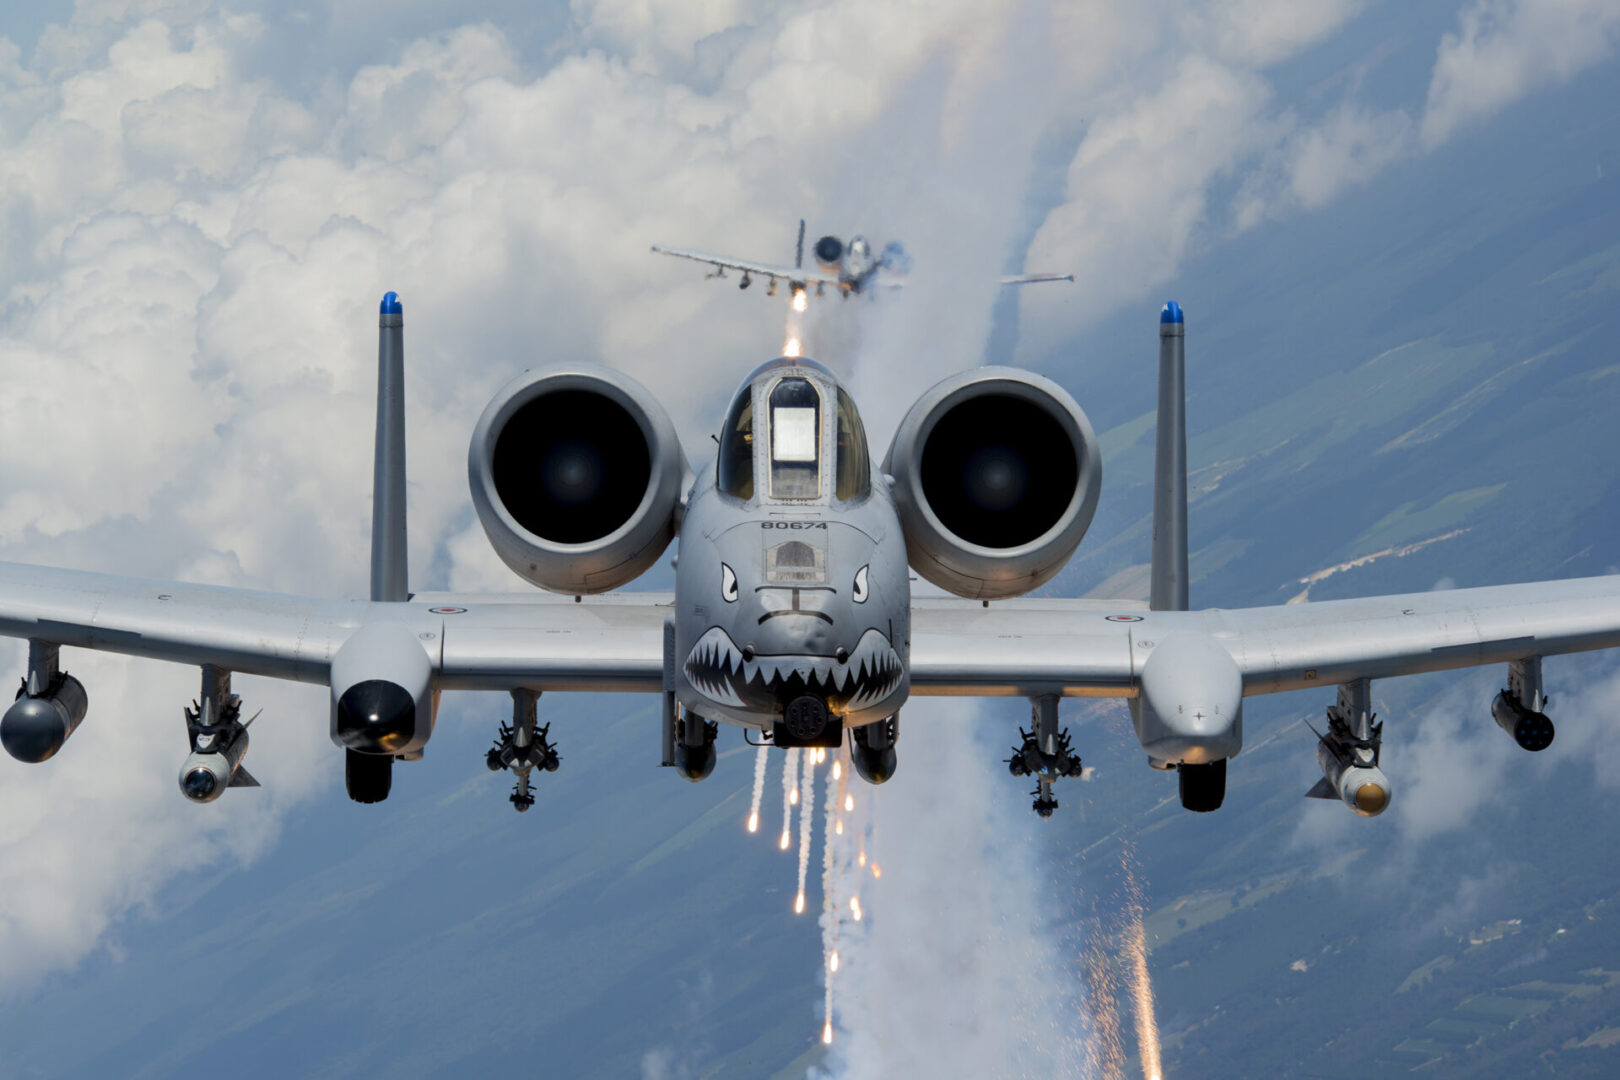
<point x="1504" y="49"/>
<point x="1259" y="33"/>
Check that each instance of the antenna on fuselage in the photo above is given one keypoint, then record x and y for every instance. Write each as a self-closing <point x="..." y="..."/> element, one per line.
<point x="1169" y="588"/>
<point x="389" y="580"/>
<point x="798" y="252"/>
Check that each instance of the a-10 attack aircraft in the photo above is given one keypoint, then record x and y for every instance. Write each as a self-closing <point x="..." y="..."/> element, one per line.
<point x="845" y="267"/>
<point x="793" y="612"/>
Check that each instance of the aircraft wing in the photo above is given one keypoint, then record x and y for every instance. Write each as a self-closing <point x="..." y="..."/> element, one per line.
<point x="1097" y="648"/>
<point x="894" y="282"/>
<point x="724" y="262"/>
<point x="474" y="642"/>
<point x="1035" y="279"/>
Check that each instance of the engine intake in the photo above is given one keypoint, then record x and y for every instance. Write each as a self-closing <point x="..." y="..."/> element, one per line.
<point x="829" y="252"/>
<point x="996" y="475"/>
<point x="576" y="476"/>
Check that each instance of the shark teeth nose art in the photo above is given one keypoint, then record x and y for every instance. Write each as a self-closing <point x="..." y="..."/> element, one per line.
<point x="717" y="669"/>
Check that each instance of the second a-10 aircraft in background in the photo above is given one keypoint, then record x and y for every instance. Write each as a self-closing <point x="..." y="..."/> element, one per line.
<point x="846" y="267"/>
<point x="792" y="614"/>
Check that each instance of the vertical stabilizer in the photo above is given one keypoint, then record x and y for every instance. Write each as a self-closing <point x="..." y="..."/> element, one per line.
<point x="1170" y="467"/>
<point x="389" y="580"/>
<point x="798" y="252"/>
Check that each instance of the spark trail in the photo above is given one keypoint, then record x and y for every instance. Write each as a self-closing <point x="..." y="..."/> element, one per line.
<point x="759" y="788"/>
<point x="1136" y="974"/>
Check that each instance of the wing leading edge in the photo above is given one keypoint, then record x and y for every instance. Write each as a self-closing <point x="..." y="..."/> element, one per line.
<point x="1098" y="648"/>
<point x="725" y="262"/>
<point x="473" y="642"/>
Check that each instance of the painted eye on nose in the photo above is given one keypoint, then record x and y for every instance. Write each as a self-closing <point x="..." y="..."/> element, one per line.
<point x="728" y="584"/>
<point x="859" y="593"/>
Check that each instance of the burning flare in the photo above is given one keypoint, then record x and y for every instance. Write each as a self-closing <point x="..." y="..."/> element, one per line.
<point x="760" y="762"/>
<point x="800" y="302"/>
<point x="855" y="908"/>
<point x="790" y="795"/>
<point x="792" y="347"/>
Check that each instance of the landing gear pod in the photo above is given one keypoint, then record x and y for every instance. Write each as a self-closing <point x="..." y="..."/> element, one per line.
<point x="383" y="704"/>
<point x="694" y="747"/>
<point x="50" y="706"/>
<point x="872" y="749"/>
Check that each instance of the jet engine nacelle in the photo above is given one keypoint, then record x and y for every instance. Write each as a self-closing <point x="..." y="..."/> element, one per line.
<point x="996" y="473"/>
<point x="829" y="252"/>
<point x="34" y="728"/>
<point x="576" y="476"/>
<point x="383" y="701"/>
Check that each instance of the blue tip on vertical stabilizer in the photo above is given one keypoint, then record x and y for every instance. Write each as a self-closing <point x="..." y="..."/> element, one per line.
<point x="1170" y="314"/>
<point x="392" y="306"/>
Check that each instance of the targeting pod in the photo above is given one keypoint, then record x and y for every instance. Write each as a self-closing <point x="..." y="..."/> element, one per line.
<point x="50" y="706"/>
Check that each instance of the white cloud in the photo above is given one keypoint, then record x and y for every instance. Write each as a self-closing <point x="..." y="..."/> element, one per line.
<point x="1138" y="187"/>
<point x="1504" y="49"/>
<point x="1259" y="33"/>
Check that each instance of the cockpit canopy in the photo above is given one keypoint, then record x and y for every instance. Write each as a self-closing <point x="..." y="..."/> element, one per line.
<point x="812" y="440"/>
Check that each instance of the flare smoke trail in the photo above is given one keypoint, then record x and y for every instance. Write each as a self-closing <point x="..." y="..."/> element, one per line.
<point x="759" y="788"/>
<point x="789" y="767"/>
<point x="807" y="805"/>
<point x="955" y="971"/>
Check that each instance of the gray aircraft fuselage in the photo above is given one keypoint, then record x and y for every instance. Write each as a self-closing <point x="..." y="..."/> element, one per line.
<point x="791" y="580"/>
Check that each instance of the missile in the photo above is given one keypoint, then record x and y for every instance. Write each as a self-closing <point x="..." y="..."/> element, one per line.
<point x="1362" y="787"/>
<point x="207" y="773"/>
